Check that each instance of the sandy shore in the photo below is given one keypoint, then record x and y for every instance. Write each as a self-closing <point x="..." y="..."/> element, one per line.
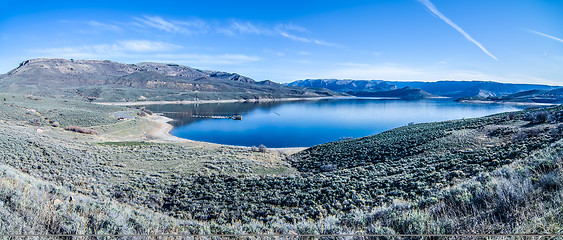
<point x="138" y="103"/>
<point x="162" y="129"/>
<point x="161" y="132"/>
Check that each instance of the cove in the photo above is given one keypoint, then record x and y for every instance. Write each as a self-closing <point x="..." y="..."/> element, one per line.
<point x="311" y="122"/>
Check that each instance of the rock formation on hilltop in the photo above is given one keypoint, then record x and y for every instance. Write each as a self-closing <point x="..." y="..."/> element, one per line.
<point x="103" y="80"/>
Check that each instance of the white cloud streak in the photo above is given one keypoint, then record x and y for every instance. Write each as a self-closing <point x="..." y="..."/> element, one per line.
<point x="437" y="13"/>
<point x="144" y="50"/>
<point x="206" y="59"/>
<point x="199" y="26"/>
<point x="159" y="23"/>
<point x="249" y="28"/>
<point x="547" y="36"/>
<point x="172" y="26"/>
<point x="294" y="38"/>
<point x="282" y="30"/>
<point x="144" y="46"/>
<point x="304" y="40"/>
<point x="104" y="26"/>
<point x="292" y="27"/>
<point x="396" y="72"/>
<point x="117" y="49"/>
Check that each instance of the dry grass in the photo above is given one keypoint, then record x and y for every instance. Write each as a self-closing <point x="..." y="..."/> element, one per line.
<point x="116" y="187"/>
<point x="81" y="130"/>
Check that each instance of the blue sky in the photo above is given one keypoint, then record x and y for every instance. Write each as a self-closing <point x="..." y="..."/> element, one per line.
<point x="508" y="41"/>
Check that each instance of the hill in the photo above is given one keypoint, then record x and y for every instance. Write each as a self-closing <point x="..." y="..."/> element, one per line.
<point x="453" y="89"/>
<point x="97" y="80"/>
<point x="406" y="93"/>
<point x="554" y="96"/>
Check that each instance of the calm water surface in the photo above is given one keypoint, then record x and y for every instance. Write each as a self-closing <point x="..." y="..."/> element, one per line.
<point x="308" y="123"/>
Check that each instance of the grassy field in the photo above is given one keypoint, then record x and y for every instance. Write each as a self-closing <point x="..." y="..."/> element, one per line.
<point x="497" y="174"/>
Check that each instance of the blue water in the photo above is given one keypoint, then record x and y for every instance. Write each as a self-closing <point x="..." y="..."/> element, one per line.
<point x="308" y="123"/>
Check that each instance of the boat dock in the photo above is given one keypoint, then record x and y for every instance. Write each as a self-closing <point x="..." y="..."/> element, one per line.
<point x="234" y="117"/>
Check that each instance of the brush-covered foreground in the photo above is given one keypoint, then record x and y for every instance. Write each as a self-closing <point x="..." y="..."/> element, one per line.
<point x="497" y="174"/>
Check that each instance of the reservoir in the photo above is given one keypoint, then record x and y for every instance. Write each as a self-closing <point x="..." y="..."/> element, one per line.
<point x="311" y="122"/>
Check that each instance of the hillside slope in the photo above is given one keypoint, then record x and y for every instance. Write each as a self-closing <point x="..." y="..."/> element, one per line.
<point x="410" y="162"/>
<point x="532" y="96"/>
<point x="442" y="178"/>
<point x="96" y="80"/>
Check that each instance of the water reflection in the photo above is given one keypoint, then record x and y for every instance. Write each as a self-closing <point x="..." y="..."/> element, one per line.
<point x="308" y="123"/>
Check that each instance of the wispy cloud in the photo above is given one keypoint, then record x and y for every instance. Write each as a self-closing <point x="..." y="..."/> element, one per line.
<point x="104" y="26"/>
<point x="304" y="40"/>
<point x="398" y="72"/>
<point x="172" y="26"/>
<point x="294" y="38"/>
<point x="283" y="30"/>
<point x="437" y="13"/>
<point x="547" y="36"/>
<point x="145" y="50"/>
<point x="206" y="59"/>
<point x="249" y="28"/>
<point x="237" y="27"/>
<point x="159" y="23"/>
<point x="197" y="26"/>
<point x="144" y="46"/>
<point x="292" y="27"/>
<point x="117" y="49"/>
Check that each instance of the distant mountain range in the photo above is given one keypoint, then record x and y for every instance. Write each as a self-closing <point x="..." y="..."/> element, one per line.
<point x="97" y="80"/>
<point x="345" y="85"/>
<point x="459" y="89"/>
<point x="419" y="90"/>
<point x="106" y="81"/>
<point x="406" y="93"/>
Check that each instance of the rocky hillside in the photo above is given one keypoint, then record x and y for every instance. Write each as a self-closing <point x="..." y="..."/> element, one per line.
<point x="97" y="80"/>
<point x="531" y="96"/>
<point x="406" y="93"/>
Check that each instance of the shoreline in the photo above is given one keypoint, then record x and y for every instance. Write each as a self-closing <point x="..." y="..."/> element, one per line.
<point x="162" y="133"/>
<point x="509" y="103"/>
<point x="162" y="130"/>
<point x="141" y="103"/>
<point x="254" y="100"/>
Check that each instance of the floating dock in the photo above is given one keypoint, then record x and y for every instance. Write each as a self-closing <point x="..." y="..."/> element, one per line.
<point x="234" y="117"/>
